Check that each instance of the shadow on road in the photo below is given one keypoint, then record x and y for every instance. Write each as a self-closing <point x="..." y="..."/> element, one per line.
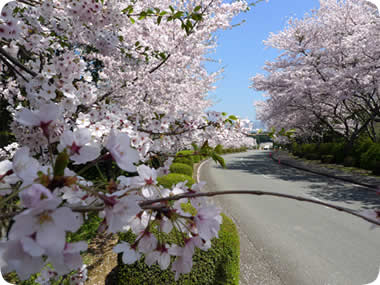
<point x="321" y="187"/>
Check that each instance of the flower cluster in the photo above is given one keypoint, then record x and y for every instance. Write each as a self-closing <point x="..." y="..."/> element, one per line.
<point x="113" y="83"/>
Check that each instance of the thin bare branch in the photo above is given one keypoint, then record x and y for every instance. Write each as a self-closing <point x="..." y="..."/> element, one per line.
<point x="152" y="204"/>
<point x="259" y="193"/>
<point x="16" y="62"/>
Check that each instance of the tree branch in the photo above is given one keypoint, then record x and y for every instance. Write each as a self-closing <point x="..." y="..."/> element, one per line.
<point x="16" y="62"/>
<point x="152" y="204"/>
<point x="259" y="193"/>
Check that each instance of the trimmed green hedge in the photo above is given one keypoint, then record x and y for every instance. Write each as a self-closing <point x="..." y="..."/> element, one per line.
<point x="181" y="168"/>
<point x="233" y="150"/>
<point x="173" y="178"/>
<point x="364" y="153"/>
<point x="218" y="265"/>
<point x="190" y="159"/>
<point x="184" y="160"/>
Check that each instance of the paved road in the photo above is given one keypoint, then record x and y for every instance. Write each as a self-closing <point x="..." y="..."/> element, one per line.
<point x="299" y="243"/>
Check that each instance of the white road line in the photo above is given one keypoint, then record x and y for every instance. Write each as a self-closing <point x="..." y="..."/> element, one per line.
<point x="199" y="170"/>
<point x="316" y="199"/>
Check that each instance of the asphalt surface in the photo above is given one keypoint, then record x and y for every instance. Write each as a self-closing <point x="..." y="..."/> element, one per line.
<point x="291" y="242"/>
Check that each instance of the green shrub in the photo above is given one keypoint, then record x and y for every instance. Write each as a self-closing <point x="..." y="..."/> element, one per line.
<point x="369" y="160"/>
<point x="338" y="152"/>
<point x="376" y="171"/>
<point x="297" y="149"/>
<point x="181" y="168"/>
<point x="218" y="265"/>
<point x="219" y="149"/>
<point x="308" y="148"/>
<point x="196" y="158"/>
<point x="173" y="178"/>
<point x="349" y="161"/>
<point x="184" y="160"/>
<point x="325" y="149"/>
<point x="328" y="158"/>
<point x="360" y="147"/>
<point x="293" y="148"/>
<point x="312" y="156"/>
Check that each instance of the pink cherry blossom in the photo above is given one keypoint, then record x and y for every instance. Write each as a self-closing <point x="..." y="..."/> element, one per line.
<point x="147" y="242"/>
<point x="43" y="117"/>
<point x="130" y="254"/>
<point x="6" y="179"/>
<point x="33" y="195"/>
<point x="118" y="213"/>
<point x="120" y="148"/>
<point x="48" y="223"/>
<point x="70" y="258"/>
<point x="24" y="166"/>
<point x="207" y="221"/>
<point x="16" y="258"/>
<point x="161" y="256"/>
<point x="80" y="146"/>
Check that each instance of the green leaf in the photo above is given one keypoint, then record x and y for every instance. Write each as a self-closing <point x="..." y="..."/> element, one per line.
<point x="142" y="15"/>
<point x="196" y="16"/>
<point x="132" y="20"/>
<point x="218" y="159"/>
<point x="159" y="18"/>
<point x="196" y="9"/>
<point x="178" y="14"/>
<point x="194" y="145"/>
<point x="232" y="117"/>
<point x="128" y="10"/>
<point x="121" y="38"/>
<point x="61" y="163"/>
<point x="189" y="24"/>
<point x="205" y="145"/>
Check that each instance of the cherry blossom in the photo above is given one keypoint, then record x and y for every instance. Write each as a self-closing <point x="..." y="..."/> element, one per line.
<point x="16" y="257"/>
<point x="80" y="146"/>
<point x="147" y="242"/>
<point x="7" y="177"/>
<point x="119" y="212"/>
<point x="207" y="221"/>
<point x="70" y="258"/>
<point x="184" y="262"/>
<point x="146" y="181"/>
<point x="43" y="117"/>
<point x="33" y="195"/>
<point x="48" y="223"/>
<point x="120" y="148"/>
<point x="25" y="166"/>
<point x="130" y="254"/>
<point x="161" y="256"/>
<point x="334" y="75"/>
<point x="92" y="83"/>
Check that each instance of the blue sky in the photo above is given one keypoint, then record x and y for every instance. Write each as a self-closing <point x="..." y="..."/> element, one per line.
<point x="243" y="53"/>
